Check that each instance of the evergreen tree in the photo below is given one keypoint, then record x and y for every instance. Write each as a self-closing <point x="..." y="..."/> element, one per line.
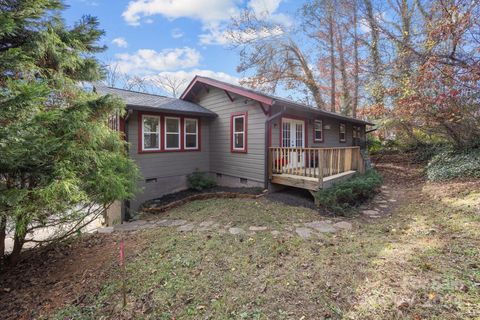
<point x="60" y="163"/>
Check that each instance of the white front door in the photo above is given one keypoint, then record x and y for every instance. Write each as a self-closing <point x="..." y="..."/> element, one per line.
<point x="293" y="136"/>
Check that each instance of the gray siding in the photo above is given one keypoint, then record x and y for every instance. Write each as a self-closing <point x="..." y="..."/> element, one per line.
<point x="169" y="168"/>
<point x="248" y="165"/>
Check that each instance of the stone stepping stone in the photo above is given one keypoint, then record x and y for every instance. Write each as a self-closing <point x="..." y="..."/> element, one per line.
<point x="321" y="226"/>
<point x="171" y="223"/>
<point x="105" y="230"/>
<point x="370" y="212"/>
<point x="256" y="228"/>
<point x="208" y="225"/>
<point x="343" y="225"/>
<point x="134" y="225"/>
<point x="383" y="206"/>
<point x="235" y="230"/>
<point x="304" y="233"/>
<point x="380" y="201"/>
<point x="186" y="227"/>
<point x="392" y="200"/>
<point x="275" y="233"/>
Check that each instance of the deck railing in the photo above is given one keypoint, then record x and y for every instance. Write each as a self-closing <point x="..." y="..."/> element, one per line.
<point x="314" y="162"/>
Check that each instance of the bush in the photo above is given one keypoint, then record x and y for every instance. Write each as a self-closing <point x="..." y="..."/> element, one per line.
<point x="344" y="196"/>
<point x="200" y="181"/>
<point x="451" y="164"/>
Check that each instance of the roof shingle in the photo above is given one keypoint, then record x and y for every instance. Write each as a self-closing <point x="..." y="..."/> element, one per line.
<point x="145" y="101"/>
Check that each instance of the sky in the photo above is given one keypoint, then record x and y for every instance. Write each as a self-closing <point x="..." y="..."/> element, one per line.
<point x="180" y="38"/>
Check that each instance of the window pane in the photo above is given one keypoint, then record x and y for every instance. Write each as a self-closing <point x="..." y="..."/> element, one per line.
<point x="190" y="126"/>
<point x="150" y="141"/>
<point x="239" y="124"/>
<point x="191" y="141"/>
<point x="173" y="125"/>
<point x="150" y="124"/>
<point x="238" y="140"/>
<point x="286" y="134"/>
<point x="318" y="135"/>
<point x="172" y="141"/>
<point x="299" y="135"/>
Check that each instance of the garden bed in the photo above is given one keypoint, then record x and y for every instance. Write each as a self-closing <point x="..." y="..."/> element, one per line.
<point x="176" y="199"/>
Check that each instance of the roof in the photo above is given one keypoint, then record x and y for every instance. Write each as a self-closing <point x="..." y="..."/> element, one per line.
<point x="261" y="97"/>
<point x="152" y="102"/>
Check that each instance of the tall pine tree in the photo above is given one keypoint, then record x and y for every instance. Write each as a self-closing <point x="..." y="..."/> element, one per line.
<point x="60" y="164"/>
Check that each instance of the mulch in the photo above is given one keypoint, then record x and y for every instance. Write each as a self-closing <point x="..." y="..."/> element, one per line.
<point x="175" y="199"/>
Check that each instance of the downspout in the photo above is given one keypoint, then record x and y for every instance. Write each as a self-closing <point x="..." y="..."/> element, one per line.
<point x="126" y="203"/>
<point x="267" y="140"/>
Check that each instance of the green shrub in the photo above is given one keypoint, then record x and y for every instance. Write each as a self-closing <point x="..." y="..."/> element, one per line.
<point x="374" y="144"/>
<point x="200" y="181"/>
<point x="451" y="164"/>
<point x="344" y="196"/>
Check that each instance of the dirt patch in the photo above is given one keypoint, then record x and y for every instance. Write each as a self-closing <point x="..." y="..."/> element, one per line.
<point x="59" y="274"/>
<point x="293" y="197"/>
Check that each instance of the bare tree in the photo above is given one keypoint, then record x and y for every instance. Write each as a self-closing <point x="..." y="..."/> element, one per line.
<point x="169" y="83"/>
<point x="376" y="69"/>
<point x="273" y="55"/>
<point x="117" y="79"/>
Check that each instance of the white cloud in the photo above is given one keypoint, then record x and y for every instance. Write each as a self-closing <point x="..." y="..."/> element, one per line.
<point x="120" y="42"/>
<point x="205" y="11"/>
<point x="185" y="77"/>
<point x="264" y="6"/>
<point x="177" y="33"/>
<point x="148" y="61"/>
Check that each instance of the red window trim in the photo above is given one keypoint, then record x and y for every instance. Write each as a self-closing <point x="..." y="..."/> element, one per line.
<point x="294" y="118"/>
<point x="313" y="131"/>
<point x="245" y="130"/>
<point x="162" y="133"/>
<point x="339" y="131"/>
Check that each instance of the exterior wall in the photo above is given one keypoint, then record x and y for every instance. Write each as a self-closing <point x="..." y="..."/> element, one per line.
<point x="331" y="136"/>
<point x="249" y="165"/>
<point x="169" y="168"/>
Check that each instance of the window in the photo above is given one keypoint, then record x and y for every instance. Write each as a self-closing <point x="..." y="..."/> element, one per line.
<point x="151" y="132"/>
<point x="357" y="132"/>
<point x="172" y="133"/>
<point x="318" y="131"/>
<point x="239" y="132"/>
<point x="343" y="135"/>
<point x="191" y="133"/>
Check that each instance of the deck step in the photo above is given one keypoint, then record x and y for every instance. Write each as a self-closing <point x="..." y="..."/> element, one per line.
<point x="331" y="180"/>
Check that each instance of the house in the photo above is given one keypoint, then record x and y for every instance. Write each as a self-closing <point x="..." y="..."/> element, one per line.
<point x="239" y="136"/>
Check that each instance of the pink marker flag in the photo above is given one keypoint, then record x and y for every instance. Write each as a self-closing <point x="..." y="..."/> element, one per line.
<point x="122" y="252"/>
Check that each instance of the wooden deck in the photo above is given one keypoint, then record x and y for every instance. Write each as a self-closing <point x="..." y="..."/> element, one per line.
<point x="313" y="168"/>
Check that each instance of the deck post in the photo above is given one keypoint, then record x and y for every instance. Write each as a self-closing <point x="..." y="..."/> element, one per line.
<point x="320" y="168"/>
<point x="271" y="162"/>
<point x="361" y="163"/>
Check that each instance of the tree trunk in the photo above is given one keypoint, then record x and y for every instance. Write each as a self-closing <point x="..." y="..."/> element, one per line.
<point x="309" y="79"/>
<point x="356" y="69"/>
<point x="332" y="58"/>
<point x="18" y="241"/>
<point x="345" y="97"/>
<point x="3" y="230"/>
<point x="378" y="90"/>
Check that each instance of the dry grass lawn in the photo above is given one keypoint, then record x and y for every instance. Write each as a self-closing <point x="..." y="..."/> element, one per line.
<point x="422" y="262"/>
